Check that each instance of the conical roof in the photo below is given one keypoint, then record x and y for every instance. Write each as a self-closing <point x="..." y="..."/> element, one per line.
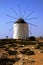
<point x="20" y="21"/>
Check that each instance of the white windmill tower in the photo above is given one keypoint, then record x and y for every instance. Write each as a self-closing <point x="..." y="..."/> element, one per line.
<point x="20" y="27"/>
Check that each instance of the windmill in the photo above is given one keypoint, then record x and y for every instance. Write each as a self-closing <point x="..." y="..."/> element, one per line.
<point x="21" y="27"/>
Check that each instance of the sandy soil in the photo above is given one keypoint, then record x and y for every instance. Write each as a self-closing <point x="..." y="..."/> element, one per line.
<point x="35" y="59"/>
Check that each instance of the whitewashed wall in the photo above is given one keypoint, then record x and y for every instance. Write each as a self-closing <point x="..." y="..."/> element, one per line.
<point x="20" y="31"/>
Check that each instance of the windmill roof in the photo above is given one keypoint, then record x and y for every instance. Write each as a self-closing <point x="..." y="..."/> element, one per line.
<point x="20" y="21"/>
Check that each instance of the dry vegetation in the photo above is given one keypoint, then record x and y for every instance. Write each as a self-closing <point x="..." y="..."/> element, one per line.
<point x="21" y="52"/>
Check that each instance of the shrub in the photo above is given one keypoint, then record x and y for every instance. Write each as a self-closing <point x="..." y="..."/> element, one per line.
<point x="32" y="38"/>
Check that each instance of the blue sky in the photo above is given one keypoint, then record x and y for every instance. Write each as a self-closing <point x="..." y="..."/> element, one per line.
<point x="30" y="5"/>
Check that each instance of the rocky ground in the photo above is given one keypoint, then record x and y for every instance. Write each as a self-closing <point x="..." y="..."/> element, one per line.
<point x="21" y="54"/>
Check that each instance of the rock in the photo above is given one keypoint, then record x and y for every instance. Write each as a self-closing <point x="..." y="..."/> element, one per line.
<point x="4" y="55"/>
<point x="31" y="60"/>
<point x="9" y="63"/>
<point x="11" y="48"/>
<point x="27" y="51"/>
<point x="37" y="47"/>
<point x="41" y="51"/>
<point x="21" y="46"/>
<point x="12" y="52"/>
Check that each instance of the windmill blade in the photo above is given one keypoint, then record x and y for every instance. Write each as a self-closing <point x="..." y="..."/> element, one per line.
<point x="15" y="12"/>
<point x="20" y="11"/>
<point x="11" y="16"/>
<point x="10" y="22"/>
<point x="33" y="25"/>
<point x="30" y="33"/>
<point x="29" y="15"/>
<point x="31" y="18"/>
<point x="11" y="29"/>
<point x="24" y="12"/>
